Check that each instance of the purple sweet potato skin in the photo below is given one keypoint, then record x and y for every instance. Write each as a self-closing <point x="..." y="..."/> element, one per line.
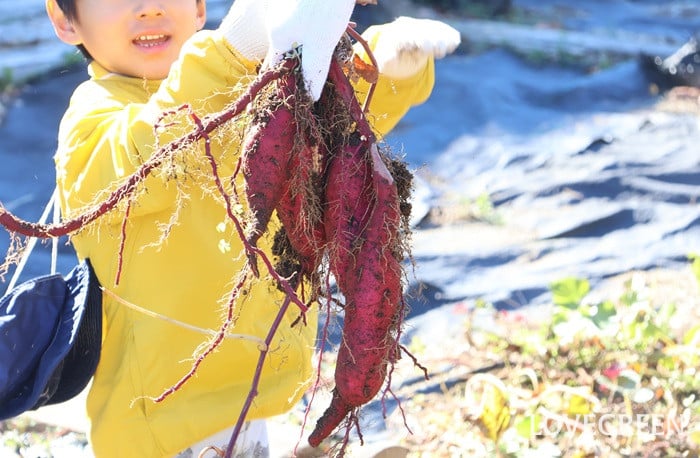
<point x="357" y="227"/>
<point x="305" y="230"/>
<point x="362" y="222"/>
<point x="332" y="417"/>
<point x="372" y="304"/>
<point x="267" y="147"/>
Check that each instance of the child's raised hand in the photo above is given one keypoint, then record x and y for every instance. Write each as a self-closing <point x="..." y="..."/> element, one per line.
<point x="404" y="45"/>
<point x="316" y="26"/>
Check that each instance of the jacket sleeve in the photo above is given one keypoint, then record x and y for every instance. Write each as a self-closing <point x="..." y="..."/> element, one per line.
<point x="108" y="130"/>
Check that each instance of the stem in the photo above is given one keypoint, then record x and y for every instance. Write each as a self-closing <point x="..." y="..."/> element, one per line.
<point x="17" y="225"/>
<point x="347" y="93"/>
<point x="122" y="243"/>
<point x="256" y="378"/>
<point x="353" y="33"/>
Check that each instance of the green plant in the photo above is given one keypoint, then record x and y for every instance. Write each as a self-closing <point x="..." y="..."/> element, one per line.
<point x="7" y="81"/>
<point x="618" y="358"/>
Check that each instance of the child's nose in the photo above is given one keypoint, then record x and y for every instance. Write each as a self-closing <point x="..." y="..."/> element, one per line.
<point x="149" y="8"/>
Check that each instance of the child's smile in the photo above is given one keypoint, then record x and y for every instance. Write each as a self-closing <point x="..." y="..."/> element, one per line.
<point x="152" y="43"/>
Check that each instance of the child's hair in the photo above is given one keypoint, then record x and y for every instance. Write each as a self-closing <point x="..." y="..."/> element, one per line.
<point x="71" y="12"/>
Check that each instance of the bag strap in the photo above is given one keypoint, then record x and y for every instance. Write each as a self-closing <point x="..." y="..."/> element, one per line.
<point x="51" y="205"/>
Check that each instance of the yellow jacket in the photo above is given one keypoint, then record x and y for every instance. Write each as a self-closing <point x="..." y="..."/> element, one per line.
<point x="178" y="260"/>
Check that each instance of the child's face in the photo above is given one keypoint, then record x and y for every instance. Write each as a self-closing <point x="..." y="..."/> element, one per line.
<point x="140" y="38"/>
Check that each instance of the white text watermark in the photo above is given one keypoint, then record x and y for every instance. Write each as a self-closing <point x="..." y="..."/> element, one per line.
<point x="613" y="425"/>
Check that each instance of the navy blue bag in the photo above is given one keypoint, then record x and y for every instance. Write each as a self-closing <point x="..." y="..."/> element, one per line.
<point x="50" y="339"/>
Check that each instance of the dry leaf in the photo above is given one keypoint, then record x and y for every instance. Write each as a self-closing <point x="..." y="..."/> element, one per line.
<point x="495" y="412"/>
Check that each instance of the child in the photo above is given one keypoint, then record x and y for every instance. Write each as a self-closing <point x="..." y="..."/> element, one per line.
<point x="148" y="57"/>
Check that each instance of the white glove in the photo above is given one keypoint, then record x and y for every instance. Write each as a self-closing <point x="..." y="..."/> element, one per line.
<point x="316" y="26"/>
<point x="244" y="28"/>
<point x="405" y="45"/>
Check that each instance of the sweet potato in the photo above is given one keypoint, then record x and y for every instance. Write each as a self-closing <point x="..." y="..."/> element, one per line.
<point x="334" y="196"/>
<point x="267" y="146"/>
<point x="334" y="415"/>
<point x="349" y="196"/>
<point x="300" y="209"/>
<point x="348" y="204"/>
<point x="369" y="275"/>
<point x="362" y="221"/>
<point x="373" y="299"/>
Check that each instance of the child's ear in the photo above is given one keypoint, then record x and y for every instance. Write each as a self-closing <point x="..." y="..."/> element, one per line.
<point x="201" y="13"/>
<point x="61" y="24"/>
